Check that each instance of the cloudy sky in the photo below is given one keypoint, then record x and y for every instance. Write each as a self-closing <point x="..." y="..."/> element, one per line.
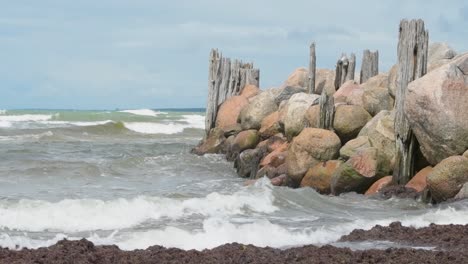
<point x="109" y="54"/>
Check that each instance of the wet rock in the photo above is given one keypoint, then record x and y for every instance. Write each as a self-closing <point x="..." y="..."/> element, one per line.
<point x="282" y="180"/>
<point x="359" y="172"/>
<point x="246" y="139"/>
<point x="349" y="120"/>
<point x="447" y="178"/>
<point x="399" y="191"/>
<point x="465" y="154"/>
<point x="275" y="158"/>
<point x="270" y="125"/>
<point x="378" y="185"/>
<point x="212" y="144"/>
<point x="433" y="106"/>
<point x="310" y="147"/>
<point x="419" y="181"/>
<point x="319" y="177"/>
<point x="353" y="146"/>
<point x="463" y="193"/>
<point x="247" y="162"/>
<point x="260" y="107"/>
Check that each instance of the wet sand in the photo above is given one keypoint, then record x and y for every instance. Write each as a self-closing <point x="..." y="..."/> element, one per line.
<point x="450" y="244"/>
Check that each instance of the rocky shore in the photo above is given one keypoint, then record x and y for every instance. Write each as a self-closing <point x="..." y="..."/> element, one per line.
<point x="279" y="132"/>
<point x="449" y="243"/>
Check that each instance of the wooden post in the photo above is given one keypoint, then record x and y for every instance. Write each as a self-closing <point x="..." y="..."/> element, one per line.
<point x="226" y="78"/>
<point x="351" y="67"/>
<point x="345" y="68"/>
<point x="412" y="64"/>
<point x="370" y="65"/>
<point x="327" y="110"/>
<point x="312" y="68"/>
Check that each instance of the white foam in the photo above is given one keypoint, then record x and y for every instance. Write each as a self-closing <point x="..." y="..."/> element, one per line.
<point x="155" y="128"/>
<point x="5" y="124"/>
<point x="142" y="112"/>
<point x="195" y="121"/>
<point x="2" y="112"/>
<point x="88" y="214"/>
<point x="24" y="118"/>
<point x="76" y="123"/>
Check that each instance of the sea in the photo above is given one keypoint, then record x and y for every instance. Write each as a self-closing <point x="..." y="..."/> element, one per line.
<point x="127" y="178"/>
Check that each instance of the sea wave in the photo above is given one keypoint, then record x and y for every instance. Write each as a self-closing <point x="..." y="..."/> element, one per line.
<point x="143" y="112"/>
<point x="187" y="121"/>
<point x="90" y="214"/>
<point x="24" y="118"/>
<point x="217" y="231"/>
<point x="27" y="136"/>
<point x="2" y="112"/>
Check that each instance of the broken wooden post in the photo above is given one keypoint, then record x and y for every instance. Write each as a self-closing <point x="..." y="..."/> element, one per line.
<point x="412" y="64"/>
<point x="351" y="68"/>
<point x="345" y="68"/>
<point x="370" y="65"/>
<point x="312" y="67"/>
<point x="226" y="78"/>
<point x="327" y="110"/>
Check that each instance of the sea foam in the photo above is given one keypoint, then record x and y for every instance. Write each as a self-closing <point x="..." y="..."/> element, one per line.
<point x="187" y="121"/>
<point x="73" y="215"/>
<point x="142" y="112"/>
<point x="24" y="118"/>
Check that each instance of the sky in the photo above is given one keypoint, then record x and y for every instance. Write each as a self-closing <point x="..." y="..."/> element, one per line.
<point x="108" y="54"/>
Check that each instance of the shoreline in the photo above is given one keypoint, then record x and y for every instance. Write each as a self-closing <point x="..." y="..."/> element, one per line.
<point x="448" y="242"/>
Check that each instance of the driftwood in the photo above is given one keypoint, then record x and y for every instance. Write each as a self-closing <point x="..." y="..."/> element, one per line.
<point x="370" y="65"/>
<point x="226" y="78"/>
<point x="327" y="110"/>
<point x="412" y="64"/>
<point x="312" y="67"/>
<point x="345" y="68"/>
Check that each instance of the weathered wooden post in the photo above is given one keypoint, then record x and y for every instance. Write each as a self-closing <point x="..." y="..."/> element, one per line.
<point x="327" y="110"/>
<point x="312" y="67"/>
<point x="370" y="65"/>
<point x="345" y="68"/>
<point x="412" y="64"/>
<point x="226" y="78"/>
<point x="351" y="68"/>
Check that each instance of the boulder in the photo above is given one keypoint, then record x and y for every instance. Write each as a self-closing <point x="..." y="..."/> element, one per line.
<point x="392" y="80"/>
<point x="439" y="54"/>
<point x="463" y="193"/>
<point x="379" y="80"/>
<point x="359" y="172"/>
<point x="349" y="120"/>
<point x="350" y="93"/>
<point x="229" y="112"/>
<point x="376" y="99"/>
<point x="299" y="77"/>
<point x="260" y="106"/>
<point x="270" y="125"/>
<point x="212" y="144"/>
<point x="282" y="180"/>
<point x="465" y="154"/>
<point x="436" y="107"/>
<point x="296" y="108"/>
<point x="312" y="115"/>
<point x="378" y="185"/>
<point x="275" y="158"/>
<point x="324" y="79"/>
<point x="353" y="146"/>
<point x="419" y="181"/>
<point x="287" y="92"/>
<point x="319" y="177"/>
<point x="447" y="178"/>
<point x="232" y="130"/>
<point x="271" y="172"/>
<point x="246" y="139"/>
<point x="381" y="133"/>
<point x="310" y="147"/>
<point x="250" y="91"/>
<point x="247" y="161"/>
